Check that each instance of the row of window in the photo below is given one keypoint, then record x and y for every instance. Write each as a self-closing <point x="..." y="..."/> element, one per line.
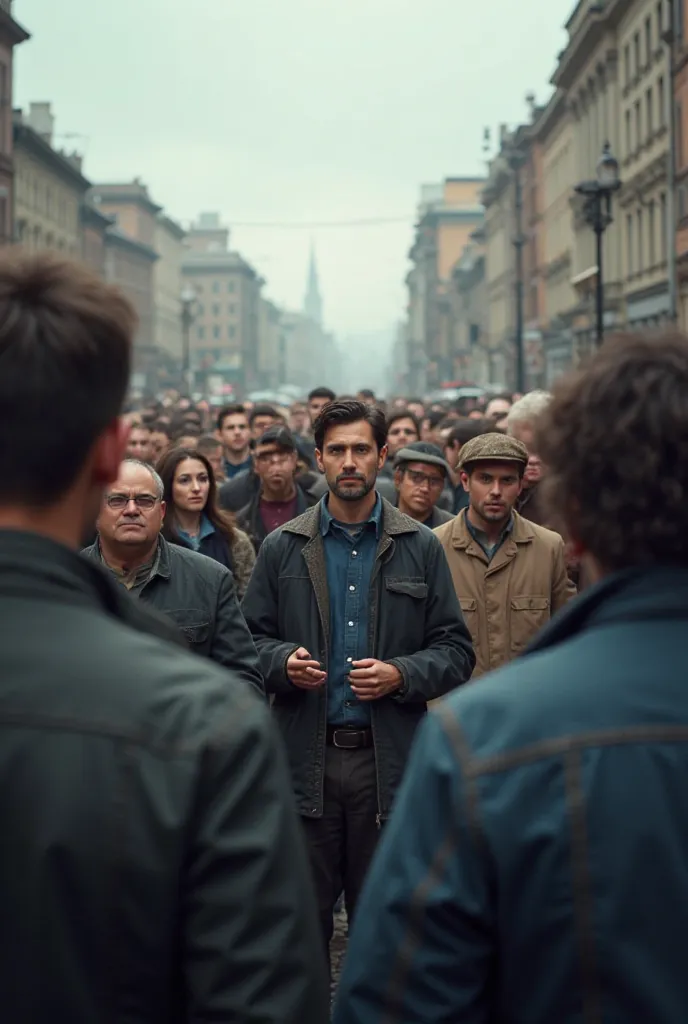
<point x="639" y="55"/>
<point x="641" y="236"/>
<point x="41" y="199"/>
<point x="217" y="286"/>
<point x="216" y="309"/>
<point x="641" y="125"/>
<point x="215" y="332"/>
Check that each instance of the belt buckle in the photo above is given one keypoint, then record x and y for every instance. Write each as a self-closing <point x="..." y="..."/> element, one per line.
<point x="344" y="746"/>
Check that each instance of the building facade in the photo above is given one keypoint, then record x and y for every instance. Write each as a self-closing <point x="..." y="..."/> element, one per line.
<point x="224" y="337"/>
<point x="167" y="286"/>
<point x="680" y="76"/>
<point x="49" y="186"/>
<point x="448" y="214"/>
<point x="11" y="35"/>
<point x="94" y="226"/>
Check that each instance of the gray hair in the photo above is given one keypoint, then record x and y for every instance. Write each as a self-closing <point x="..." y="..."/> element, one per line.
<point x="157" y="480"/>
<point x="528" y="408"/>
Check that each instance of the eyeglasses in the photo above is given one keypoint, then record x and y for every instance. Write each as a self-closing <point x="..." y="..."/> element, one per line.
<point x="435" y="483"/>
<point x="144" y="502"/>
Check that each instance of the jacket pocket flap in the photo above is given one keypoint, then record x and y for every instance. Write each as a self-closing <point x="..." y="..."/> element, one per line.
<point x="198" y="633"/>
<point x="530" y="604"/>
<point x="468" y="604"/>
<point x="412" y="588"/>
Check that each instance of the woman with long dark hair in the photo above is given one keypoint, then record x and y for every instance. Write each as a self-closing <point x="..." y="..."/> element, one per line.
<point x="193" y="518"/>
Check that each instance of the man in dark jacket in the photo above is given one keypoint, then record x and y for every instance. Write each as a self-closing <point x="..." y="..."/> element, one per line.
<point x="195" y="592"/>
<point x="535" y="866"/>
<point x="151" y="866"/>
<point x="357" y="627"/>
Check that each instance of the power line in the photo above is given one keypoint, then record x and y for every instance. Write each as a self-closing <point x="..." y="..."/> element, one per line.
<point x="313" y="225"/>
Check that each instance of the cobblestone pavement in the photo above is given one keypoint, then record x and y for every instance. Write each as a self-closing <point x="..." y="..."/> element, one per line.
<point x="338" y="947"/>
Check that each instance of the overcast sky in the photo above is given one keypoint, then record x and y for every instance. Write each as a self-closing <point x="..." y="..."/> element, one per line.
<point x="305" y="111"/>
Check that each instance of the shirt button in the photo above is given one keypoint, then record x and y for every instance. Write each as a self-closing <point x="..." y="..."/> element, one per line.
<point x="352" y="587"/>
<point x="349" y="660"/>
<point x="351" y="623"/>
<point x="354" y="553"/>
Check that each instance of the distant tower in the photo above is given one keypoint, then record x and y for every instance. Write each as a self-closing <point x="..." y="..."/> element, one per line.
<point x="312" y="306"/>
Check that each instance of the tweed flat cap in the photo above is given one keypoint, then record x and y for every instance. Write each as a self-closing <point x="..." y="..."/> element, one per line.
<point x="421" y="451"/>
<point x="493" y="448"/>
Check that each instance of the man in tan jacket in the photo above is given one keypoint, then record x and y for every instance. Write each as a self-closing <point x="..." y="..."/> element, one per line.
<point x="509" y="574"/>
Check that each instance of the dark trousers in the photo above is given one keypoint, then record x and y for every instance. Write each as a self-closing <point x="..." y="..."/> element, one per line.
<point x="341" y="844"/>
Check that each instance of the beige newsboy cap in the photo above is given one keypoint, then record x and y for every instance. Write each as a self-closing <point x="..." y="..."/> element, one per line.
<point x="493" y="448"/>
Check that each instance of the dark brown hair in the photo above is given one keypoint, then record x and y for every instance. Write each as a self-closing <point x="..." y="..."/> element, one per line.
<point x="65" y="350"/>
<point x="614" y="442"/>
<point x="342" y="413"/>
<point x="167" y="468"/>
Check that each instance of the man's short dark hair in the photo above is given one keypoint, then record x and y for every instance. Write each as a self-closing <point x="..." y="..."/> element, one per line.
<point x="465" y="430"/>
<point x="65" y="351"/>
<point x="229" y="410"/>
<point x="208" y="443"/>
<point x="340" y="414"/>
<point x="264" y="410"/>
<point x="322" y="392"/>
<point x="614" y="439"/>
<point x="403" y="414"/>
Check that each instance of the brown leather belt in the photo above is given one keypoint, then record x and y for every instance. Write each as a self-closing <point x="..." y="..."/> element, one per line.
<point x="349" y="739"/>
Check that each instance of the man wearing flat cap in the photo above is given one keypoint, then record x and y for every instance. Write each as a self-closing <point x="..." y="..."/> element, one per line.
<point x="420" y="475"/>
<point x="509" y="574"/>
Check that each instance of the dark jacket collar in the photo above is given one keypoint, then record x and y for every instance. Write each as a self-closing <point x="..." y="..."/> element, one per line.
<point x="393" y="521"/>
<point x="35" y="566"/>
<point x="634" y="595"/>
<point x="162" y="568"/>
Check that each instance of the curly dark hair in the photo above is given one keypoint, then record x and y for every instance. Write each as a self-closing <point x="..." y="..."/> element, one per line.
<point x="614" y="441"/>
<point x="342" y="412"/>
<point x="167" y="468"/>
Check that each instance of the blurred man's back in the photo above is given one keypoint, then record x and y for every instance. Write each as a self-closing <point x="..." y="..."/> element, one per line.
<point x="151" y="867"/>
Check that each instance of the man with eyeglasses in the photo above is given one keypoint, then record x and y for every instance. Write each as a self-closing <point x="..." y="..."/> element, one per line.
<point x="279" y="498"/>
<point x="196" y="592"/>
<point x="420" y="475"/>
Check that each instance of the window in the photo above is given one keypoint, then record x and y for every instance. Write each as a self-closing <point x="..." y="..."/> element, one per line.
<point x="230" y="286"/>
<point x="231" y="331"/>
<point x="216" y="308"/>
<point x="641" y="254"/>
<point x="629" y="243"/>
<point x="629" y="137"/>
<point x="200" y="309"/>
<point x="216" y="332"/>
<point x="661" y="98"/>
<point x="660" y="18"/>
<point x="200" y="334"/>
<point x="636" y="53"/>
<point x="638" y="125"/>
<point x="648" y="41"/>
<point x="678" y="114"/>
<point x="651" y="229"/>
<point x="216" y="287"/>
<point x="649" y="113"/>
<point x="627" y="64"/>
<point x="663" y="228"/>
<point x="231" y="309"/>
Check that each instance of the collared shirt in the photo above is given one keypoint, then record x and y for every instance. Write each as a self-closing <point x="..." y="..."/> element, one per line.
<point x="481" y="538"/>
<point x="233" y="469"/>
<point x="134" y="579"/>
<point x="194" y="540"/>
<point x="349" y="560"/>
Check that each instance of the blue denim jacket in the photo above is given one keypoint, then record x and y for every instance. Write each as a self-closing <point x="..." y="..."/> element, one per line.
<point x="349" y="560"/>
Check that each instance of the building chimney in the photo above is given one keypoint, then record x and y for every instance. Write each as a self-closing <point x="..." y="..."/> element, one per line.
<point x="41" y="119"/>
<point x="532" y="106"/>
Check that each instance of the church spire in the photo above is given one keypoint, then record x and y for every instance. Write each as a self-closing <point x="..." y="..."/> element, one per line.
<point x="312" y="306"/>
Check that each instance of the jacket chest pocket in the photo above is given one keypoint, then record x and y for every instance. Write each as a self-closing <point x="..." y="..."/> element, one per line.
<point x="193" y="624"/>
<point x="469" y="610"/>
<point x="403" y="610"/>
<point x="528" y="616"/>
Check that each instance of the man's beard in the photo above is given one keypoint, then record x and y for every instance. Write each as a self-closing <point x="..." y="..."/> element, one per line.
<point x="349" y="492"/>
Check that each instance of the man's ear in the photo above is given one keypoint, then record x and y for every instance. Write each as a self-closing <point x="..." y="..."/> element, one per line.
<point x="109" y="452"/>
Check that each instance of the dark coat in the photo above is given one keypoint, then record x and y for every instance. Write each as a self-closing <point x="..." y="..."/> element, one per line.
<point x="153" y="868"/>
<point x="542" y="840"/>
<point x="197" y="593"/>
<point x="250" y="521"/>
<point x="238" y="491"/>
<point x="415" y="623"/>
<point x="438" y="518"/>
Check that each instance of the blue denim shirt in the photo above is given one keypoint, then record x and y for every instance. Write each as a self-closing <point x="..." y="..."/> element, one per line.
<point x="349" y="561"/>
<point x="481" y="538"/>
<point x="194" y="542"/>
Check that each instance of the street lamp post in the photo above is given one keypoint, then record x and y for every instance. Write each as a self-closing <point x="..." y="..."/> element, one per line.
<point x="516" y="162"/>
<point x="597" y="210"/>
<point x="188" y="302"/>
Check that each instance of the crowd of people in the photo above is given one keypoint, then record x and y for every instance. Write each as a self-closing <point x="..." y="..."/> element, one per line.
<point x="418" y="660"/>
